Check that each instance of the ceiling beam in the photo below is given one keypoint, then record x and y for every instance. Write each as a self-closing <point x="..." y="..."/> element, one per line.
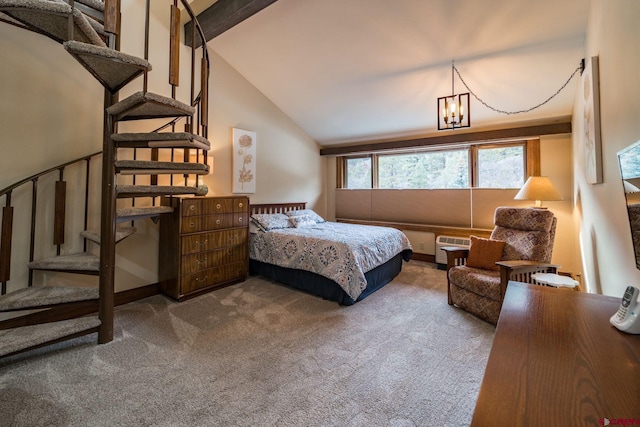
<point x="556" y="127"/>
<point x="223" y="15"/>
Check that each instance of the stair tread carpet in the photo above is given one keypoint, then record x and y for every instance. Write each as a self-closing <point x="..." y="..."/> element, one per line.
<point x="121" y="234"/>
<point x="17" y="339"/>
<point x="42" y="296"/>
<point x="95" y="4"/>
<point x="161" y="140"/>
<point x="84" y="261"/>
<point x="112" y="68"/>
<point x="50" y="18"/>
<point x="153" y="190"/>
<point x="133" y="213"/>
<point x="147" y="105"/>
<point x="6" y="18"/>
<point x="133" y="167"/>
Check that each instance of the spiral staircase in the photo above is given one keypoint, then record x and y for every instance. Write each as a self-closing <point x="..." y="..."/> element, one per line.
<point x="88" y="31"/>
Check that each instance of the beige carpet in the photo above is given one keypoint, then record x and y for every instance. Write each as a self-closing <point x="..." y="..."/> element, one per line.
<point x="260" y="354"/>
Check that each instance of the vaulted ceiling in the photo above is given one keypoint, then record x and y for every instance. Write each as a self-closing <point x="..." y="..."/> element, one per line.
<point x="354" y="70"/>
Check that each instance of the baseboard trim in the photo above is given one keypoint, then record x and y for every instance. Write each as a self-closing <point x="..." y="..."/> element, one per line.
<point x="424" y="257"/>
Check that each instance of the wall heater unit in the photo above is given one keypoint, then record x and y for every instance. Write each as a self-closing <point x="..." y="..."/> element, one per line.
<point x="441" y="256"/>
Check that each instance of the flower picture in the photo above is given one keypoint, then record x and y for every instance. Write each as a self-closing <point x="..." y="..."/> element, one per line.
<point x="244" y="167"/>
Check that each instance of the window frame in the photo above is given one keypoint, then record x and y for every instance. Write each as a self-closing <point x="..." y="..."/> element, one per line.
<point x="530" y="148"/>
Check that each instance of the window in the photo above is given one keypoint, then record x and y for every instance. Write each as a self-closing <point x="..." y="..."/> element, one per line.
<point x="358" y="173"/>
<point x="479" y="166"/>
<point x="501" y="167"/>
<point x="426" y="169"/>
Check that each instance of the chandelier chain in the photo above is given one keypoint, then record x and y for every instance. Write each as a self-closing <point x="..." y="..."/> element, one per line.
<point x="497" y="110"/>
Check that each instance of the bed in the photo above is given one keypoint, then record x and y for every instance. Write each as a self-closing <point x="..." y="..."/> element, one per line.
<point x="341" y="262"/>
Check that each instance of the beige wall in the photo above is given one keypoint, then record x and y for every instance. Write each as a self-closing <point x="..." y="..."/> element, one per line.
<point x="600" y="214"/>
<point x="51" y="111"/>
<point x="289" y="167"/>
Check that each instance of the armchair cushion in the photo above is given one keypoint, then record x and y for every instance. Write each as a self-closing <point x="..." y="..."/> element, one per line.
<point x="484" y="253"/>
<point x="529" y="233"/>
<point x="483" y="283"/>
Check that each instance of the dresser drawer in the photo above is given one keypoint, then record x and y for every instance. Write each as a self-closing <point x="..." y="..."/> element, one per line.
<point x="204" y="242"/>
<point x="194" y="263"/>
<point x="194" y="224"/>
<point x="197" y="207"/>
<point x="205" y="278"/>
<point x="207" y="206"/>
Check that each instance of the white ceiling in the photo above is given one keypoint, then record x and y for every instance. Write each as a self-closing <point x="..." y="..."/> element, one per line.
<point x="353" y="70"/>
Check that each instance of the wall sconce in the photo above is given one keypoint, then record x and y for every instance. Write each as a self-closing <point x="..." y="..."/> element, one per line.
<point x="454" y="111"/>
<point x="538" y="188"/>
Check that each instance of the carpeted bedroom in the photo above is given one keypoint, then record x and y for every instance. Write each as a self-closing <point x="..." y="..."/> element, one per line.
<point x="260" y="353"/>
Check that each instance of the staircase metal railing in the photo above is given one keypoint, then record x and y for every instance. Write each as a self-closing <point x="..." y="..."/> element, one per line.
<point x="196" y="124"/>
<point x="6" y="232"/>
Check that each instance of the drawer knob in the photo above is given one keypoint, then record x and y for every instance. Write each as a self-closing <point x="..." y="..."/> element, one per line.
<point x="192" y="207"/>
<point x="218" y="206"/>
<point x="240" y="204"/>
<point x="201" y="280"/>
<point x="217" y="221"/>
<point x="239" y="219"/>
<point x="192" y="224"/>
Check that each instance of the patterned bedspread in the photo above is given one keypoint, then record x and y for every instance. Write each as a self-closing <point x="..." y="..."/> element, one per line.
<point x="338" y="251"/>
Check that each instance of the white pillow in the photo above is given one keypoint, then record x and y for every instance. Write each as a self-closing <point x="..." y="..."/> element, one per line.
<point x="301" y="221"/>
<point x="314" y="216"/>
<point x="271" y="221"/>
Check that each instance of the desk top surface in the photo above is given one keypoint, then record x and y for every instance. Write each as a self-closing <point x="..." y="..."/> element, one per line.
<point x="556" y="360"/>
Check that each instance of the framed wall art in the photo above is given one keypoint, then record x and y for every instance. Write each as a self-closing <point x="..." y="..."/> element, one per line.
<point x="244" y="161"/>
<point x="591" y="133"/>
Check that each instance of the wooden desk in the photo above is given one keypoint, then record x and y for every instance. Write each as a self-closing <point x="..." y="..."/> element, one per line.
<point x="557" y="361"/>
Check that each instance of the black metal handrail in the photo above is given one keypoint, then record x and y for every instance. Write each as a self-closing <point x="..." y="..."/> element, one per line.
<point x="12" y="187"/>
<point x="7" y="215"/>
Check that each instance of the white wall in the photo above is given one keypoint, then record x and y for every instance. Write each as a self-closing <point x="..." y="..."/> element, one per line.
<point x="51" y="111"/>
<point x="600" y="212"/>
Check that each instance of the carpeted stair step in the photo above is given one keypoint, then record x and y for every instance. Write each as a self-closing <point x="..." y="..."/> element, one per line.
<point x="147" y="167"/>
<point x="161" y="140"/>
<point x="91" y="8"/>
<point x="6" y="18"/>
<point x="81" y="263"/>
<point x="121" y="234"/>
<point x="28" y="337"/>
<point x="134" y="213"/>
<point x="112" y="68"/>
<point x="45" y="296"/>
<point x="153" y="190"/>
<point x="147" y="105"/>
<point x="51" y="18"/>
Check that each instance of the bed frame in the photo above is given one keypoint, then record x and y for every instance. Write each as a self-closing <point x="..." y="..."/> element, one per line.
<point x="314" y="283"/>
<point x="277" y="207"/>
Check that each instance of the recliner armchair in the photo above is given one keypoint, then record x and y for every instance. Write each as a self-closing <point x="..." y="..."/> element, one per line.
<point x="528" y="234"/>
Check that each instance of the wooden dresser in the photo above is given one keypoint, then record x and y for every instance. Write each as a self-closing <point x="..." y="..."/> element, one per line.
<point x="203" y="244"/>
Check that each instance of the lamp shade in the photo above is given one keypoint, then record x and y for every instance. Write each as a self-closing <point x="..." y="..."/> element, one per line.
<point x="538" y="188"/>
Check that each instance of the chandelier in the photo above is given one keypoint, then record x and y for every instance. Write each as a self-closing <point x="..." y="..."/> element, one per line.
<point x="453" y="110"/>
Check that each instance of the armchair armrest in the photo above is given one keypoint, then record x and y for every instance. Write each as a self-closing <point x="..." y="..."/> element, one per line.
<point x="455" y="256"/>
<point x="521" y="271"/>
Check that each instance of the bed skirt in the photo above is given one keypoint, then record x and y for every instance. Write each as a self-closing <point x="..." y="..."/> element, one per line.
<point x="328" y="289"/>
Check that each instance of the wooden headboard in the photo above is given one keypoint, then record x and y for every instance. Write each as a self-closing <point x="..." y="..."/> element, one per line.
<point x="269" y="208"/>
